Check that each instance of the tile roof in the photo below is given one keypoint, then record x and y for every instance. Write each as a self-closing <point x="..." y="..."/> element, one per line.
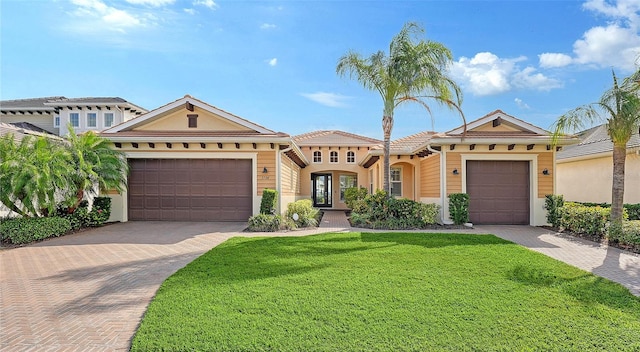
<point x="410" y="143"/>
<point x="594" y="141"/>
<point x="30" y="104"/>
<point x="334" y="138"/>
<point x="192" y="134"/>
<point x="22" y="129"/>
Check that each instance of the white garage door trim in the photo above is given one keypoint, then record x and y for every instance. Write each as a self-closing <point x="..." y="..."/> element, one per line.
<point x="198" y="155"/>
<point x="533" y="174"/>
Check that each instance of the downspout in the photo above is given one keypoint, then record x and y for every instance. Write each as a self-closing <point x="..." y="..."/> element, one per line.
<point x="443" y="184"/>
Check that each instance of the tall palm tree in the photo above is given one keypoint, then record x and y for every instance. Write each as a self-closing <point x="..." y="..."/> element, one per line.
<point x="619" y="108"/>
<point x="414" y="71"/>
<point x="98" y="167"/>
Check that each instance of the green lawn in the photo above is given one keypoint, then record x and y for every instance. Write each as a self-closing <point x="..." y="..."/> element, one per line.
<point x="386" y="292"/>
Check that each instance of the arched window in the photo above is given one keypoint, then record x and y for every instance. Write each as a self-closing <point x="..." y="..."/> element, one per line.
<point x="317" y="156"/>
<point x="333" y="157"/>
<point x="351" y="157"/>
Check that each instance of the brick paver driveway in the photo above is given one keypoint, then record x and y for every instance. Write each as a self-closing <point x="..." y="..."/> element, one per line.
<point x="88" y="291"/>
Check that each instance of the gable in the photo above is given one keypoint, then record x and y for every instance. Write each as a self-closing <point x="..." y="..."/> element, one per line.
<point x="334" y="138"/>
<point x="499" y="122"/>
<point x="178" y="120"/>
<point x="497" y="127"/>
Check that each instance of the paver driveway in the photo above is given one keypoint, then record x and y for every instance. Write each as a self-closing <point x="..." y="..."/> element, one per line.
<point x="88" y="291"/>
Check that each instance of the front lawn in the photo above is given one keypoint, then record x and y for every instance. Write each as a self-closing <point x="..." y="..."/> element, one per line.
<point x="386" y="292"/>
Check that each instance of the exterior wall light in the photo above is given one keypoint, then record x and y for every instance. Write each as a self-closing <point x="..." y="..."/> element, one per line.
<point x="545" y="172"/>
<point x="264" y="171"/>
<point x="455" y="171"/>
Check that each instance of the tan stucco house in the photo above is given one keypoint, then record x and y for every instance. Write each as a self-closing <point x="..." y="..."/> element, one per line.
<point x="193" y="161"/>
<point x="585" y="170"/>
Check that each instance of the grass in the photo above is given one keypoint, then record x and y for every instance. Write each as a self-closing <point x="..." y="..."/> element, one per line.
<point x="386" y="292"/>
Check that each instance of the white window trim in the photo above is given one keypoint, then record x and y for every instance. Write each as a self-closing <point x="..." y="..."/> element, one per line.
<point x="86" y="116"/>
<point x="340" y="185"/>
<point x="397" y="182"/>
<point x="354" y="157"/>
<point x="313" y="157"/>
<point x="104" y="119"/>
<point x="79" y="119"/>
<point x="337" y="155"/>
<point x="56" y="121"/>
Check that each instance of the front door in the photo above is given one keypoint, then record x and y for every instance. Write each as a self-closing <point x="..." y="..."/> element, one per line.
<point x="321" y="184"/>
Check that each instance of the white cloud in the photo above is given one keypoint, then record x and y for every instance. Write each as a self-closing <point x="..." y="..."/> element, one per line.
<point x="273" y="62"/>
<point x="154" y="3"/>
<point x="95" y="16"/>
<point x="615" y="45"/>
<point x="190" y="11"/>
<point x="267" y="26"/>
<point x="521" y="104"/>
<point x="328" y="99"/>
<point x="550" y="60"/>
<point x="206" y="3"/>
<point x="608" y="46"/>
<point x="488" y="74"/>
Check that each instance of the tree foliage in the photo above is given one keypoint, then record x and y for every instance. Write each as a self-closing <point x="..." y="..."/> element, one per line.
<point x="414" y="70"/>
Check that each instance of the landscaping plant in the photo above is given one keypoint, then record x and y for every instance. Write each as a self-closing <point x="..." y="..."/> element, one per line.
<point x="268" y="203"/>
<point x="307" y="215"/>
<point x="459" y="208"/>
<point x="552" y="203"/>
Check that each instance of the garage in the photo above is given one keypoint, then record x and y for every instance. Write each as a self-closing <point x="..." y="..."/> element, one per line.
<point x="498" y="192"/>
<point x="190" y="189"/>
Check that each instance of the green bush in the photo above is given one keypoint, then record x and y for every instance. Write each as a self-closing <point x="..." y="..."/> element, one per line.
<point x="552" y="203"/>
<point x="100" y="211"/>
<point x="633" y="210"/>
<point x="584" y="220"/>
<point x="26" y="230"/>
<point x="353" y="194"/>
<point x="630" y="233"/>
<point x="268" y="203"/>
<point x="307" y="214"/>
<point x="268" y="223"/>
<point x="459" y="208"/>
<point x="379" y="211"/>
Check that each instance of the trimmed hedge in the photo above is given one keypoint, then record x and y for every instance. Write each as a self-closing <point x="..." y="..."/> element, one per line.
<point x="459" y="208"/>
<point x="268" y="203"/>
<point x="633" y="210"/>
<point x="553" y="203"/>
<point x="26" y="230"/>
<point x="584" y="220"/>
<point x="630" y="233"/>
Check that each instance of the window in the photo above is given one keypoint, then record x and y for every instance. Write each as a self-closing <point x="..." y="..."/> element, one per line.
<point x="347" y="181"/>
<point x="396" y="182"/>
<point x="370" y="181"/>
<point x="92" y="119"/>
<point x="56" y="121"/>
<point x="333" y="157"/>
<point x="74" y="118"/>
<point x="193" y="121"/>
<point x="351" y="157"/>
<point x="317" y="156"/>
<point x="108" y="119"/>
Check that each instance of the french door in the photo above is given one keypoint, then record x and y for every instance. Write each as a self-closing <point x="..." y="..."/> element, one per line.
<point x="321" y="184"/>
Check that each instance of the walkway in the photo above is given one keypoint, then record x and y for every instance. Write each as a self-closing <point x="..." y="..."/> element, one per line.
<point x="89" y="291"/>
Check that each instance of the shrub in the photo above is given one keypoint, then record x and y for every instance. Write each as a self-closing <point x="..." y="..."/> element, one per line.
<point x="26" y="230"/>
<point x="100" y="211"/>
<point x="354" y="194"/>
<point x="584" y="220"/>
<point x="459" y="208"/>
<point x="268" y="223"/>
<point x="633" y="210"/>
<point x="268" y="203"/>
<point x="307" y="214"/>
<point x="631" y="233"/>
<point x="379" y="211"/>
<point x="552" y="203"/>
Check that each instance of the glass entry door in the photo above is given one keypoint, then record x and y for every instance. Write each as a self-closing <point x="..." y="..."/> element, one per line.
<point x="321" y="184"/>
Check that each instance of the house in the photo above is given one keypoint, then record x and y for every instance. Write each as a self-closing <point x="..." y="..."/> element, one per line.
<point x="588" y="165"/>
<point x="192" y="161"/>
<point x="84" y="114"/>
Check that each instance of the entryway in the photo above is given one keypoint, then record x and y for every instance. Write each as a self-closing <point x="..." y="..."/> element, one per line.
<point x="321" y="184"/>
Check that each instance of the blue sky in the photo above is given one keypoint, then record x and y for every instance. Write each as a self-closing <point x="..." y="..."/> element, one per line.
<point x="274" y="62"/>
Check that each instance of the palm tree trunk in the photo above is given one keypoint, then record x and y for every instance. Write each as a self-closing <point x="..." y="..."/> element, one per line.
<point x="387" y="126"/>
<point x="617" y="195"/>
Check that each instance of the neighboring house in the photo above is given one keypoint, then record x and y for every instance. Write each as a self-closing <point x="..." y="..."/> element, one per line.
<point x="52" y="114"/>
<point x="585" y="170"/>
<point x="191" y="161"/>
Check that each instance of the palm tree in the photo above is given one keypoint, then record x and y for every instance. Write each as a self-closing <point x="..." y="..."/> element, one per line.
<point x="619" y="108"/>
<point x="98" y="166"/>
<point x="33" y="174"/>
<point x="414" y="70"/>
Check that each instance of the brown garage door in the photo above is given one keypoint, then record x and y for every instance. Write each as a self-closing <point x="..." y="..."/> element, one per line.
<point x="190" y="189"/>
<point x="498" y="192"/>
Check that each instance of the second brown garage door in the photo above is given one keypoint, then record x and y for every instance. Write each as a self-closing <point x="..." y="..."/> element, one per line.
<point x="498" y="192"/>
<point x="190" y="189"/>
